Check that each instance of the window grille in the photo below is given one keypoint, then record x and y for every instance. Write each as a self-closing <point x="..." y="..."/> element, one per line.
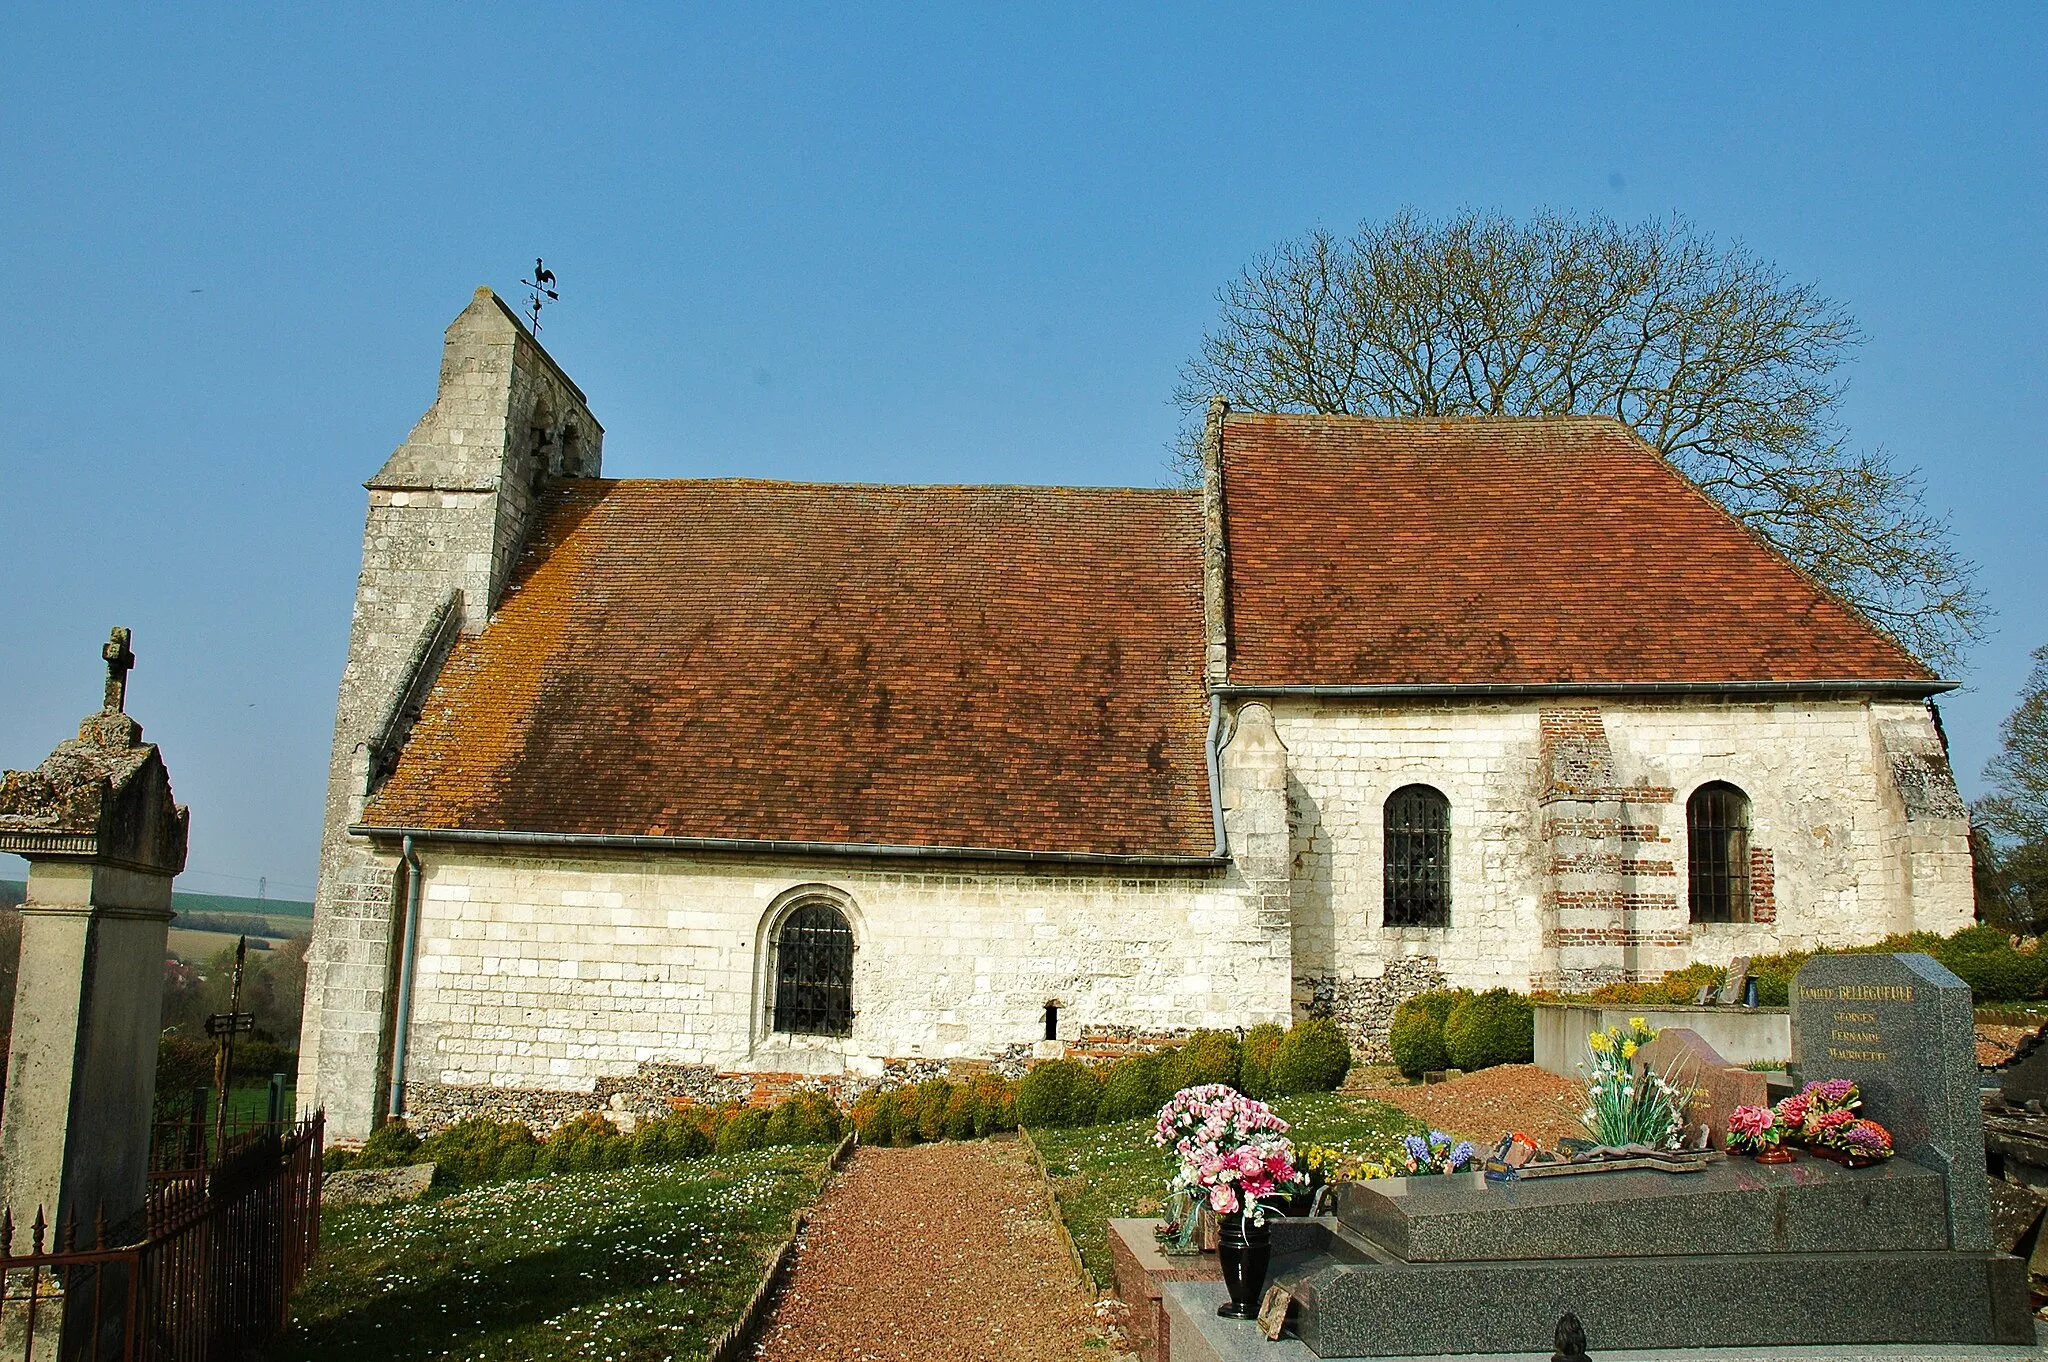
<point x="814" y="973"/>
<point x="1418" y="879"/>
<point x="1717" y="840"/>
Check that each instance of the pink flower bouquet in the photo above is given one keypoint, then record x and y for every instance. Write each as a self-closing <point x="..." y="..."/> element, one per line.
<point x="1751" y="1130"/>
<point x="1233" y="1152"/>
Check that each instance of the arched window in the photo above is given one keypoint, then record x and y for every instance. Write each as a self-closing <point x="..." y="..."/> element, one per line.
<point x="1717" y="859"/>
<point x="814" y="972"/>
<point x="1418" y="880"/>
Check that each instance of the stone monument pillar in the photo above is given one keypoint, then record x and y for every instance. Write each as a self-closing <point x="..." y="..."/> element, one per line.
<point x="103" y="840"/>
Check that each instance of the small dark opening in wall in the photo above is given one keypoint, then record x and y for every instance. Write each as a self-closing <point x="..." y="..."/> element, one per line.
<point x="1052" y="1021"/>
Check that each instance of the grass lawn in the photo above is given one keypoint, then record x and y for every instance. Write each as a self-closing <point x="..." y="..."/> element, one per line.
<point x="1105" y="1172"/>
<point x="647" y="1262"/>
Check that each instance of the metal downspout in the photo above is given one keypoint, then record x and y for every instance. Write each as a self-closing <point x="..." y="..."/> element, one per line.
<point x="1215" y="774"/>
<point x="411" y="860"/>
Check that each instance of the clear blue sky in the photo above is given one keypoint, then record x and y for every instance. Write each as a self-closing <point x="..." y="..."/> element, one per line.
<point x="955" y="243"/>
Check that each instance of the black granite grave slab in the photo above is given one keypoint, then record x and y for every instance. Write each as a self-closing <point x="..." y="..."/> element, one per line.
<point x="1901" y="1026"/>
<point x="1738" y="1206"/>
<point x="1720" y="1300"/>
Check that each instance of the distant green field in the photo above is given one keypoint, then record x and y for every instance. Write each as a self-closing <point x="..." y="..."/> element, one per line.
<point x="211" y="905"/>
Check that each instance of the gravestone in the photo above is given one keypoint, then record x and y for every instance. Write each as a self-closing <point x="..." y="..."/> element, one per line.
<point x="1718" y="1086"/>
<point x="1902" y="1028"/>
<point x="1738" y="978"/>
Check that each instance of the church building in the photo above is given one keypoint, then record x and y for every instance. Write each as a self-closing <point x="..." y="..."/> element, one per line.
<point x="644" y="781"/>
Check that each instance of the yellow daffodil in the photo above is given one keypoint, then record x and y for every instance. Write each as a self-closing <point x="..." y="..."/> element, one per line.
<point x="1638" y="1024"/>
<point x="1628" y="1050"/>
<point x="1600" y="1041"/>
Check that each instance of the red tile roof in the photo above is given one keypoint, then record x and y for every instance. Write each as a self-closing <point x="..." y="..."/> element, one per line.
<point x="999" y="667"/>
<point x="1366" y="551"/>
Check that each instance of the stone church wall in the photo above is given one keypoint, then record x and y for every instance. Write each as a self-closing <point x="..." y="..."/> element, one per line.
<point x="1568" y="838"/>
<point x="559" y="974"/>
<point x="447" y="518"/>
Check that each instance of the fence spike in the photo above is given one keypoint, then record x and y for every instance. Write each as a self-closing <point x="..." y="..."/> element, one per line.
<point x="99" y="1227"/>
<point x="6" y="1233"/>
<point x="67" y="1231"/>
<point x="36" y="1233"/>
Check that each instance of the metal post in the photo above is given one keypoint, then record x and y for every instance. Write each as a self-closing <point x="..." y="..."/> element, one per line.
<point x="276" y="1116"/>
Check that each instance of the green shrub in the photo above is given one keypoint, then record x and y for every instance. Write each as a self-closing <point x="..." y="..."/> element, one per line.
<point x="963" y="1113"/>
<point x="1059" y="1092"/>
<point x="476" y="1150"/>
<point x="743" y="1131"/>
<point x="812" y="1118"/>
<point x="389" y="1146"/>
<point x="874" y="1116"/>
<point x="682" y="1138"/>
<point x="1127" y="1089"/>
<point x="1312" y="1057"/>
<point x="1209" y="1057"/>
<point x="996" y="1105"/>
<point x="934" y="1095"/>
<point x="1416" y="1036"/>
<point x="2001" y="976"/>
<point x="1494" y="1027"/>
<point x="1255" y="1069"/>
<point x="337" y="1160"/>
<point x="1169" y="1066"/>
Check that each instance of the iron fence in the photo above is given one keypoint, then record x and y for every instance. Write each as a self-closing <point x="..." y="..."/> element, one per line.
<point x="210" y="1276"/>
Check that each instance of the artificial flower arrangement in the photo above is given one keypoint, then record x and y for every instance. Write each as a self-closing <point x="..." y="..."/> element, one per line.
<point x="1754" y="1130"/>
<point x="1233" y="1152"/>
<point x="1628" y="1107"/>
<point x="1435" y="1154"/>
<point x="1324" y="1166"/>
<point x="1822" y="1116"/>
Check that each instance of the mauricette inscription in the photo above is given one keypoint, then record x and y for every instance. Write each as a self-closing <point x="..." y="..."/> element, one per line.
<point x="1901" y="1027"/>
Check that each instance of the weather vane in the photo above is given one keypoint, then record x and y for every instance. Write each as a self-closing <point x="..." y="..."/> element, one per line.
<point x="540" y="292"/>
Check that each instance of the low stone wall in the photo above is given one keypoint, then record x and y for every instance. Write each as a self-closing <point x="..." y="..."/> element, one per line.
<point x="1742" y="1035"/>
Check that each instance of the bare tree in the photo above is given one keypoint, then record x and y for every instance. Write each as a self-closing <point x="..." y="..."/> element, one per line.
<point x="1710" y="354"/>
<point x="2010" y="837"/>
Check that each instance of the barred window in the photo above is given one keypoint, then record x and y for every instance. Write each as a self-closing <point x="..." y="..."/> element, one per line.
<point x="1717" y="859"/>
<point x="1418" y="880"/>
<point x="814" y="972"/>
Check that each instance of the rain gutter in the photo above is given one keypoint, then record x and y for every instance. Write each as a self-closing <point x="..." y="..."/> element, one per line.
<point x="411" y="859"/>
<point x="1490" y="690"/>
<point x="748" y="846"/>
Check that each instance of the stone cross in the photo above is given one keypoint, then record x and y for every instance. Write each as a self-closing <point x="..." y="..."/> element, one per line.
<point x="120" y="660"/>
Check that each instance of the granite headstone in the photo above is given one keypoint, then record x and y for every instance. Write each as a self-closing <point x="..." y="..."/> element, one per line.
<point x="1718" y="1087"/>
<point x="1902" y="1028"/>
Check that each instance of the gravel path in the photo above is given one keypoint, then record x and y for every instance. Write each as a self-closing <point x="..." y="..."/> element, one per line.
<point x="938" y="1251"/>
<point x="1484" y="1106"/>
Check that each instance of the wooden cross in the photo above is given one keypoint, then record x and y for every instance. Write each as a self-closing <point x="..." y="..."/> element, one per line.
<point x="224" y="1027"/>
<point x="119" y="661"/>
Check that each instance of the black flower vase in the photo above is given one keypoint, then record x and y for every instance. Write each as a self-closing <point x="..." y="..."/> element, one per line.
<point x="1246" y="1249"/>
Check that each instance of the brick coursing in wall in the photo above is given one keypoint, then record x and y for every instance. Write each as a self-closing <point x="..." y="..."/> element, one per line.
<point x="1763" y="887"/>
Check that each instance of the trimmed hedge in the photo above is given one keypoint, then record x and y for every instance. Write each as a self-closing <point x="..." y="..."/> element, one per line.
<point x="1416" y="1036"/>
<point x="479" y="1150"/>
<point x="1255" y="1069"/>
<point x="1059" y="1092"/>
<point x="1312" y="1057"/>
<point x="1494" y="1027"/>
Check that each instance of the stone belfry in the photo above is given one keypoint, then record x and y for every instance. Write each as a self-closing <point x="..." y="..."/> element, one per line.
<point x="103" y="839"/>
<point x="449" y="513"/>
